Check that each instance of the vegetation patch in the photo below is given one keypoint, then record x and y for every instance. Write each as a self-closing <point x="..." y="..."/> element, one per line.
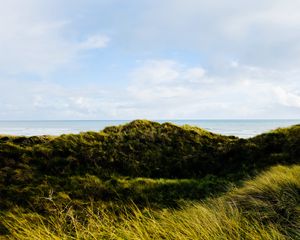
<point x="144" y="176"/>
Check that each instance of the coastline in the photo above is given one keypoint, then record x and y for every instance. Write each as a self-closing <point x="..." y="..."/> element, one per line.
<point x="236" y="127"/>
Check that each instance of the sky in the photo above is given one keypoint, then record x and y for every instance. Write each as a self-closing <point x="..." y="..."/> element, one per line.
<point x="149" y="59"/>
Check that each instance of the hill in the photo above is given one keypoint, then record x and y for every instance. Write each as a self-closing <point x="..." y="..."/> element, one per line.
<point x="264" y="208"/>
<point x="143" y="163"/>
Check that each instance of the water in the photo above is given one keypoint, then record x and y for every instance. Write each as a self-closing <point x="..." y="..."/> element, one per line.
<point x="240" y="128"/>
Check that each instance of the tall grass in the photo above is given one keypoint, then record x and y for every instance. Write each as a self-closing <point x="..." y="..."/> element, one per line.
<point x="267" y="207"/>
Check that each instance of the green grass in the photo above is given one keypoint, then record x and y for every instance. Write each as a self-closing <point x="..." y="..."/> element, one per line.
<point x="267" y="207"/>
<point x="146" y="180"/>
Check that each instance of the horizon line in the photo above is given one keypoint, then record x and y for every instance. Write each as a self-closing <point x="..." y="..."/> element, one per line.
<point x="166" y="119"/>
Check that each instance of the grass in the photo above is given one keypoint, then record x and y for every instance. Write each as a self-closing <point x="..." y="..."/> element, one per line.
<point x="267" y="207"/>
<point x="145" y="180"/>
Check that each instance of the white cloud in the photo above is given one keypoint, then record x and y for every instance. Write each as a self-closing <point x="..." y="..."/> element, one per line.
<point x="250" y="50"/>
<point x="262" y="33"/>
<point x="160" y="89"/>
<point x="164" y="79"/>
<point x="46" y="100"/>
<point x="272" y="14"/>
<point x="95" y="41"/>
<point x="156" y="71"/>
<point x="244" y="92"/>
<point x="287" y="98"/>
<point x="195" y="74"/>
<point x="31" y="41"/>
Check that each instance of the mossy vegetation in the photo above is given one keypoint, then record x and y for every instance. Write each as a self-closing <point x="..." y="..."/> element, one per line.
<point x="153" y="167"/>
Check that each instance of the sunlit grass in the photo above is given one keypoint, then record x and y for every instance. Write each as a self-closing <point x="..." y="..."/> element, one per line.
<point x="267" y="207"/>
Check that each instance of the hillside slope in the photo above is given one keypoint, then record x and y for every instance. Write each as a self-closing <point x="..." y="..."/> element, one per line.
<point x="117" y="163"/>
<point x="267" y="208"/>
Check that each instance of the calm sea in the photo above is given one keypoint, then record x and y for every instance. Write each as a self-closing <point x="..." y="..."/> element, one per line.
<point x="240" y="128"/>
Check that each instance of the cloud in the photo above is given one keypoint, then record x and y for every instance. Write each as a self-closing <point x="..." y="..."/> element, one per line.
<point x="195" y="74"/>
<point x="160" y="89"/>
<point x="234" y="59"/>
<point x="46" y="100"/>
<point x="157" y="71"/>
<point x="262" y="33"/>
<point x="287" y="98"/>
<point x="168" y="89"/>
<point x="163" y="79"/>
<point x="95" y="42"/>
<point x="31" y="41"/>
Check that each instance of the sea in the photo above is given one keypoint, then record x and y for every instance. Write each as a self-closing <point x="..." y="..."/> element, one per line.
<point x="239" y="128"/>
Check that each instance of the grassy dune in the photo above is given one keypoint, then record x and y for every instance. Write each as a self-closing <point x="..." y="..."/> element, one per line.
<point x="267" y="207"/>
<point x="146" y="180"/>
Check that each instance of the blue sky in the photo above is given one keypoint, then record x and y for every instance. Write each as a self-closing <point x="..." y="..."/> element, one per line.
<point x="167" y="59"/>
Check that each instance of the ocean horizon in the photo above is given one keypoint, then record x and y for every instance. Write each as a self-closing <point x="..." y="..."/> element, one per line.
<point x="237" y="127"/>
